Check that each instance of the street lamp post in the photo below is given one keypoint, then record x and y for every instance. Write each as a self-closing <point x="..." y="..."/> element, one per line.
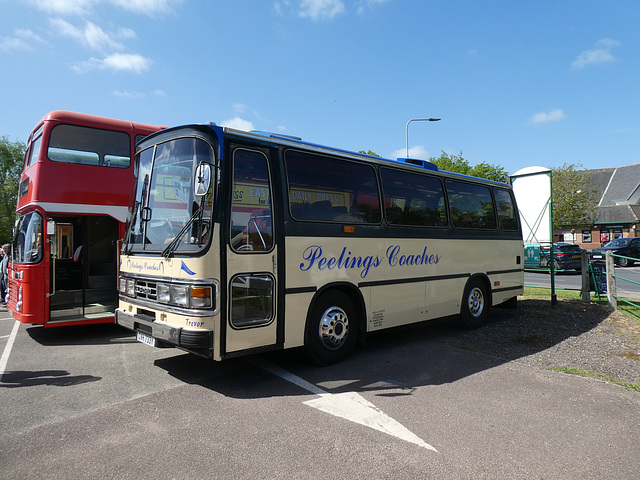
<point x="416" y="120"/>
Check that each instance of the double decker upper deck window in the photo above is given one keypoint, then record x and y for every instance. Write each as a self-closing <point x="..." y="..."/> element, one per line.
<point x="89" y="146"/>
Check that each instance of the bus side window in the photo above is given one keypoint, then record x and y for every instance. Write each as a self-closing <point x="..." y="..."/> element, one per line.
<point x="507" y="218"/>
<point x="251" y="226"/>
<point x="327" y="189"/>
<point x="413" y="200"/>
<point x="471" y="206"/>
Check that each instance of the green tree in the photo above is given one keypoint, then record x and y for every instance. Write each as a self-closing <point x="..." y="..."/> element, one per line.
<point x="575" y="202"/>
<point x="459" y="164"/>
<point x="369" y="152"/>
<point x="11" y="155"/>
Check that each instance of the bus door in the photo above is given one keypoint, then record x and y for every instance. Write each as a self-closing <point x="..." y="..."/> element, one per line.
<point x="251" y="257"/>
<point x="83" y="268"/>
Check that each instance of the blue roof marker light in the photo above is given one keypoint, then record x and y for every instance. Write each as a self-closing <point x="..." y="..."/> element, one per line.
<point x="426" y="164"/>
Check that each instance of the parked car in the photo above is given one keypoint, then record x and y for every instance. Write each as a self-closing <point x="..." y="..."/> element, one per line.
<point x="566" y="256"/>
<point x="627" y="247"/>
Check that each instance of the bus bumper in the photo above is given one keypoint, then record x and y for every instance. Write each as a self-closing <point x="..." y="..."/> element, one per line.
<point x="199" y="342"/>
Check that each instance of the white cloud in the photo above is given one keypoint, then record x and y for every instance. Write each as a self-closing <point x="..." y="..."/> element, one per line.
<point x="97" y="39"/>
<point x="85" y="7"/>
<point x="147" y="7"/>
<point x="130" y="94"/>
<point x="22" y="40"/>
<point x="414" y="152"/>
<point x="127" y="61"/>
<point x="239" y="124"/>
<point x="118" y="62"/>
<point x="239" y="107"/>
<point x="544" y="117"/>
<point x="600" y="54"/>
<point x="134" y="94"/>
<point x="92" y="35"/>
<point x="320" y="9"/>
<point x="364" y="5"/>
<point x="64" y="7"/>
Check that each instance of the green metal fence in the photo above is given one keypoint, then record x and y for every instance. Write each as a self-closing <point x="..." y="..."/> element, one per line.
<point x="613" y="280"/>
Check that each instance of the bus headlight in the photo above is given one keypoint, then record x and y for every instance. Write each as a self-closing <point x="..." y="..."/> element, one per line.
<point x="128" y="286"/>
<point x="164" y="293"/>
<point x="179" y="295"/>
<point x="187" y="296"/>
<point x="131" y="287"/>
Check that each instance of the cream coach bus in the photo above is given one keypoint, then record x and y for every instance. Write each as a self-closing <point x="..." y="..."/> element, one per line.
<point x="246" y="242"/>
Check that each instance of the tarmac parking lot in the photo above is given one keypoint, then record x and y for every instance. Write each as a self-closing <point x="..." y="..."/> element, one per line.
<point x="91" y="402"/>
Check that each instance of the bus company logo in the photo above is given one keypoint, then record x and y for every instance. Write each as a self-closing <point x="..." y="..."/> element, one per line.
<point x="186" y="269"/>
<point x="144" y="266"/>
<point x="314" y="257"/>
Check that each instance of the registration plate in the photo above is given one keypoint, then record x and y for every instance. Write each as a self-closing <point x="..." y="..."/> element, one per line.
<point x="146" y="339"/>
<point x="576" y="256"/>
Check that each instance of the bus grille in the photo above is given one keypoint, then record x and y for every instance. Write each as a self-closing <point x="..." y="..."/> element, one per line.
<point x="147" y="290"/>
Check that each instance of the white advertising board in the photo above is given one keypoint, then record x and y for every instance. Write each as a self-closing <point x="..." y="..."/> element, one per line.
<point x="532" y="189"/>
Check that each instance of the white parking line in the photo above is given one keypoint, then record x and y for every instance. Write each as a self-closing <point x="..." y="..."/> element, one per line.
<point x="7" y="348"/>
<point x="348" y="405"/>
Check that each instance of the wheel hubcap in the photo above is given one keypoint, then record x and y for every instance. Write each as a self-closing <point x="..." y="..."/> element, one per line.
<point x="334" y="327"/>
<point x="476" y="302"/>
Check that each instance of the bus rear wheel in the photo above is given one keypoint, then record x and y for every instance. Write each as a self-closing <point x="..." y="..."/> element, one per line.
<point x="331" y="328"/>
<point x="475" y="304"/>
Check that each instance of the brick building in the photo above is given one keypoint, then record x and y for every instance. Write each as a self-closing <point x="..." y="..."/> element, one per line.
<point x="618" y="214"/>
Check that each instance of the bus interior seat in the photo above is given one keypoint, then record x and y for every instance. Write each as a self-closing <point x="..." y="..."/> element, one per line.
<point x="321" y="211"/>
<point x="339" y="213"/>
<point x="300" y="211"/>
<point x="394" y="214"/>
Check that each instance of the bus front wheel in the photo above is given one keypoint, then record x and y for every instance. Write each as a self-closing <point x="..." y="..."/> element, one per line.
<point x="331" y="329"/>
<point x="475" y="304"/>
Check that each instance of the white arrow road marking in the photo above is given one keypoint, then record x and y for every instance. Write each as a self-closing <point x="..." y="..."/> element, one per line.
<point x="349" y="405"/>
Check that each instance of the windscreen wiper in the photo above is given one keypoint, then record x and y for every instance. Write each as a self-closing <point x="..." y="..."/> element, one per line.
<point x="127" y="235"/>
<point x="166" y="253"/>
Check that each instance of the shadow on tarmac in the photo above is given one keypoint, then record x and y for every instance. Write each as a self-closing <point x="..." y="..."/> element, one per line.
<point x="58" y="378"/>
<point x="397" y="361"/>
<point x="101" y="334"/>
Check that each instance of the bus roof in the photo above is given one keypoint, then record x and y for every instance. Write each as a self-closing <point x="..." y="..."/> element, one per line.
<point x="97" y="121"/>
<point x="294" y="141"/>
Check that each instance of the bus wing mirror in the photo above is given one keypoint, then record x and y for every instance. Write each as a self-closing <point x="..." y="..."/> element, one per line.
<point x="202" y="179"/>
<point x="51" y="227"/>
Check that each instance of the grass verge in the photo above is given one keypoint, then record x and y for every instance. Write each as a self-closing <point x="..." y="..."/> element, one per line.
<point x="599" y="376"/>
<point x="630" y="311"/>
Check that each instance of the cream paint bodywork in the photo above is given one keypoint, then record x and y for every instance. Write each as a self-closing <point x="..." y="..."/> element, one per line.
<point x="395" y="302"/>
<point x="206" y="269"/>
<point x="355" y="261"/>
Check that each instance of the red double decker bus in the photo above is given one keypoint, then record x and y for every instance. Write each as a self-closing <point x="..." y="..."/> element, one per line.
<point x="73" y="198"/>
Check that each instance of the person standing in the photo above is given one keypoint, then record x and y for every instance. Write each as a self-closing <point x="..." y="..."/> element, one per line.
<point x="4" y="282"/>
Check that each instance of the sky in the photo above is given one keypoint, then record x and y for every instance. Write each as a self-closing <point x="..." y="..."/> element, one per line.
<point x="516" y="84"/>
